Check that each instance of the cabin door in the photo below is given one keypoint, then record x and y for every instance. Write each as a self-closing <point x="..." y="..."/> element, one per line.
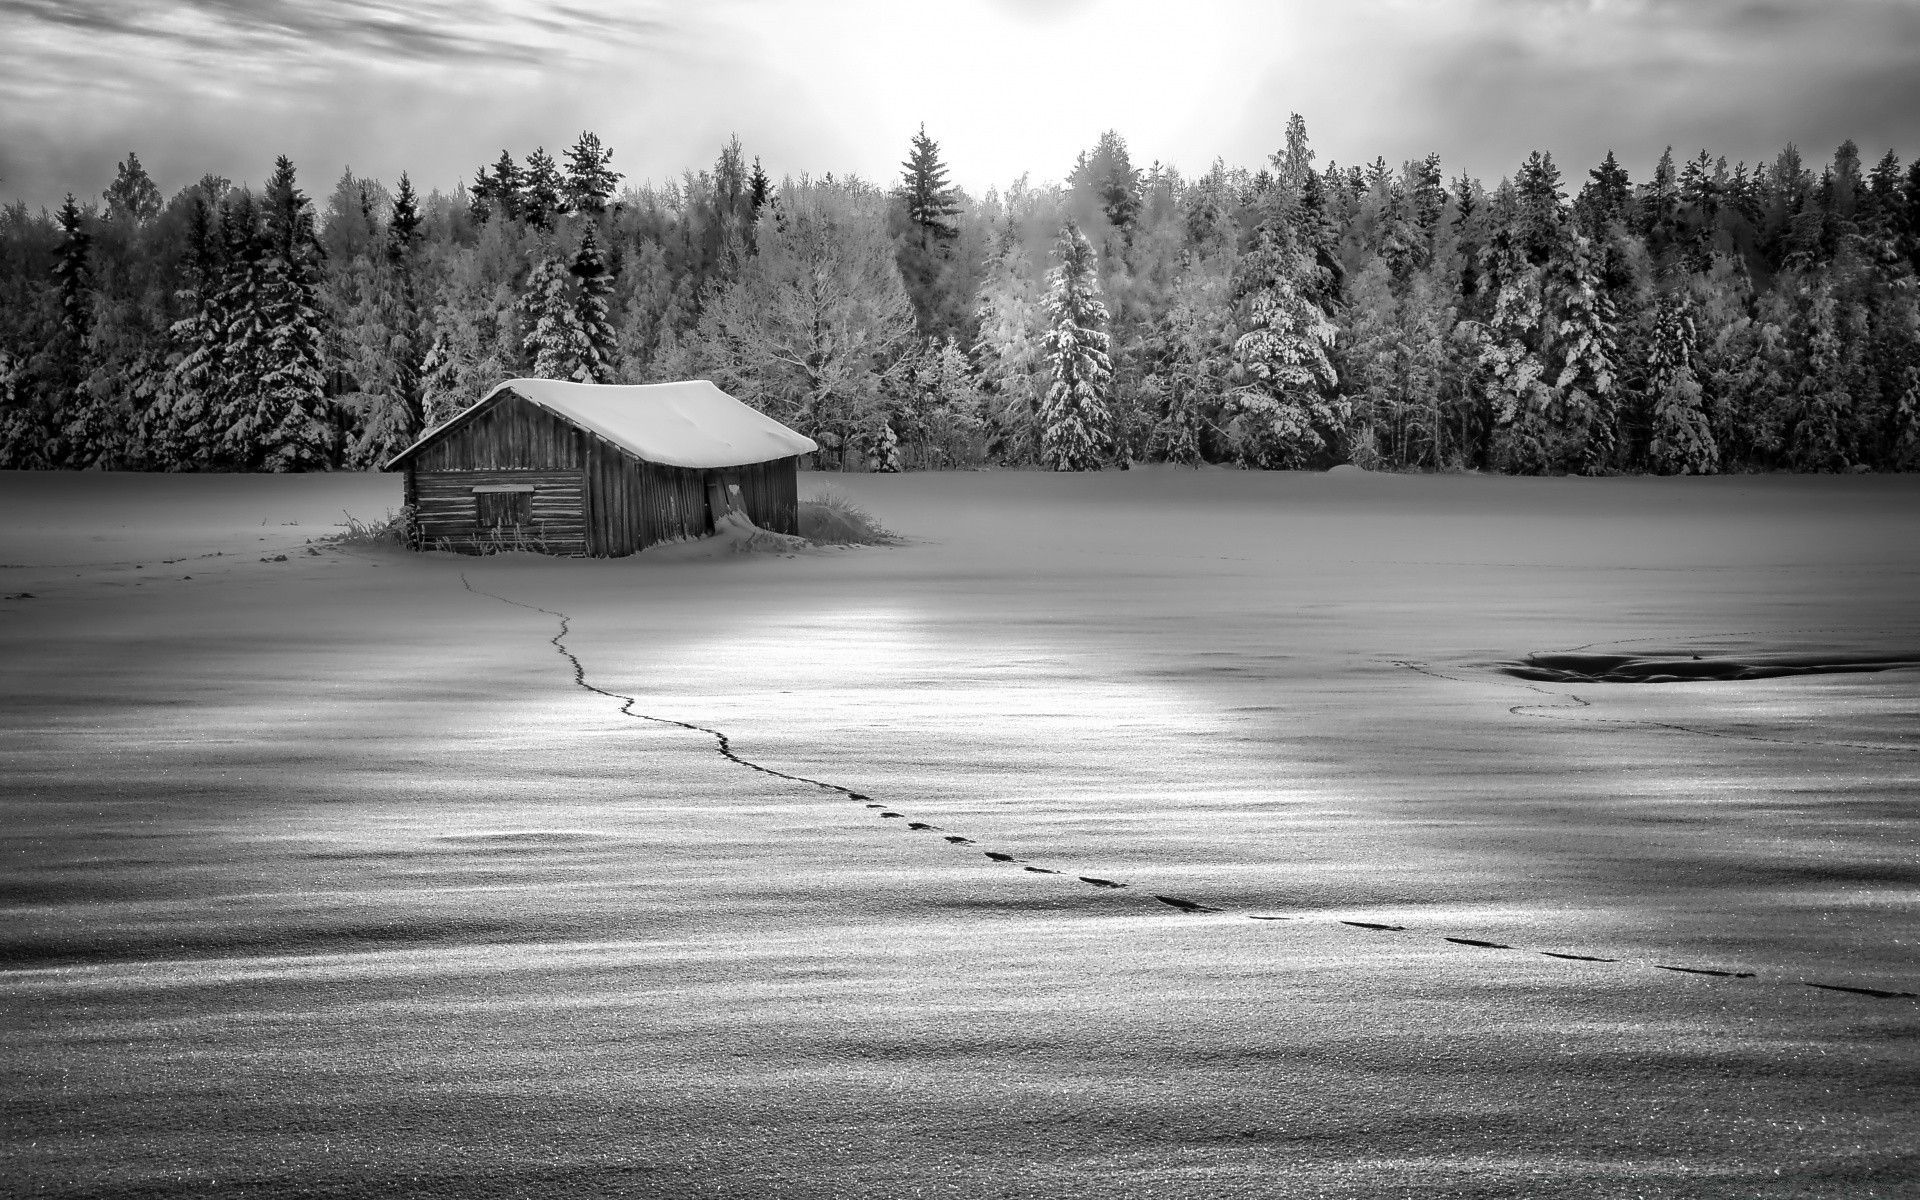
<point x="723" y="497"/>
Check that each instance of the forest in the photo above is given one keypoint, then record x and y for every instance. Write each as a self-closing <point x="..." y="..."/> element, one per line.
<point x="1706" y="319"/>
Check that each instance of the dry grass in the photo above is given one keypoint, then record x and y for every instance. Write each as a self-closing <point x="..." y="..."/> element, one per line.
<point x="830" y="518"/>
<point x="395" y="530"/>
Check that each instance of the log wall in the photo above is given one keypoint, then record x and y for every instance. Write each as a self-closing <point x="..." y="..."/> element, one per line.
<point x="445" y="512"/>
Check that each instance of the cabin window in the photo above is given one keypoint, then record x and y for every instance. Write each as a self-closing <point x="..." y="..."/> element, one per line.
<point x="497" y="507"/>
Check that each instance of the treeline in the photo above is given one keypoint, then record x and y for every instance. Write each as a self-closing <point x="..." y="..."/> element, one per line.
<point x="1705" y="319"/>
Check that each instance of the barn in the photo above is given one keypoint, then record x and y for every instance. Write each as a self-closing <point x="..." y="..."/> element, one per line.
<point x="598" y="470"/>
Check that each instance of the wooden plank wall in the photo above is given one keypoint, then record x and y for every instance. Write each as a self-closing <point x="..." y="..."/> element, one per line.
<point x="590" y="496"/>
<point x="772" y="493"/>
<point x="512" y="434"/>
<point x="445" y="512"/>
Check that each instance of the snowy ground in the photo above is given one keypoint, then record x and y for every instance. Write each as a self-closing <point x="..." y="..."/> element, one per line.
<point x="324" y="878"/>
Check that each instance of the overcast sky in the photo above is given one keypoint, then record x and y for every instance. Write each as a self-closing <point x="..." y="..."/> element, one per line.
<point x="439" y="86"/>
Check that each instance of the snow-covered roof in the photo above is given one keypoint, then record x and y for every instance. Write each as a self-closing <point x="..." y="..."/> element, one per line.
<point x="686" y="424"/>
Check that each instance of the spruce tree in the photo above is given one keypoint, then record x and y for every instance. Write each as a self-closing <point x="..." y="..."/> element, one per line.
<point x="1074" y="420"/>
<point x="181" y="429"/>
<point x="554" y="340"/>
<point x="1823" y="403"/>
<point x="759" y="188"/>
<point x="1682" y="441"/>
<point x="598" y="342"/>
<point x="1283" y="415"/>
<point x="931" y="201"/>
<point x="1588" y="337"/>
<point x="239" y="414"/>
<point x="1526" y="426"/>
<point x="80" y="415"/>
<point x="1608" y="196"/>
<point x="1187" y="382"/>
<point x="499" y="194"/>
<point x="290" y="425"/>
<point x="542" y="190"/>
<point x="590" y="179"/>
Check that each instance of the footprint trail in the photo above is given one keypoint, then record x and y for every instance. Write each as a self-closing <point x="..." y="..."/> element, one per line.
<point x="723" y="745"/>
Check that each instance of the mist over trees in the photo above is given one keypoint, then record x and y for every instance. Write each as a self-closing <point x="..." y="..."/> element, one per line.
<point x="1290" y="315"/>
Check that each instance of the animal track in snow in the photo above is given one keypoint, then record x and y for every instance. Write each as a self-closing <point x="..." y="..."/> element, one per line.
<point x="723" y="745"/>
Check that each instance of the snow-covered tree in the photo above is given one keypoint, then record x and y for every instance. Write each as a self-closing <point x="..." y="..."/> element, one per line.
<point x="1823" y="404"/>
<point x="179" y="429"/>
<point x="599" y="344"/>
<point x="286" y="429"/>
<point x="1007" y="356"/>
<point x="1285" y="412"/>
<point x="590" y="177"/>
<point x="555" y="342"/>
<point x="1074" y="421"/>
<point x="1187" y="382"/>
<point x="815" y="318"/>
<point x="1588" y="350"/>
<point x="543" y="193"/>
<point x="1682" y="442"/>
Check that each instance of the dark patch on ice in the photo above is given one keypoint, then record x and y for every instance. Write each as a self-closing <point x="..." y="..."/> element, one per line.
<point x="1577" y="957"/>
<point x="1185" y="905"/>
<point x="957" y="840"/>
<point x="858" y="796"/>
<point x="1375" y="925"/>
<point x="1043" y="870"/>
<point x="1877" y="993"/>
<point x="1705" y="971"/>
<point x="1477" y="942"/>
<point x="921" y="825"/>
<point x="1690" y="668"/>
<point x="1262" y="917"/>
<point x="996" y="856"/>
<point x="902" y="816"/>
<point x="1098" y="882"/>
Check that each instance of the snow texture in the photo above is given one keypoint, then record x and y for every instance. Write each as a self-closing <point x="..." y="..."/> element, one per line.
<point x="687" y="424"/>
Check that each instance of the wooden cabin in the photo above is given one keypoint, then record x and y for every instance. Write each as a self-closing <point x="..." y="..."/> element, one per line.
<point x="598" y="470"/>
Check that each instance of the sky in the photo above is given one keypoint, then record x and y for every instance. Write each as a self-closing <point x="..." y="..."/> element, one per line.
<point x="439" y="87"/>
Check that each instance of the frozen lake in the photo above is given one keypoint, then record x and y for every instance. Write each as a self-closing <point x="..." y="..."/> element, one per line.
<point x="325" y="878"/>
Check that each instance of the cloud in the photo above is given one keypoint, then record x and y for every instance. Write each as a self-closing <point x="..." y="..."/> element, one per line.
<point x="438" y="86"/>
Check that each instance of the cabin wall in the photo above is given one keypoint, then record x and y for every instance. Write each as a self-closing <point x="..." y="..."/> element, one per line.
<point x="772" y="493"/>
<point x="590" y="496"/>
<point x="511" y="435"/>
<point x="445" y="512"/>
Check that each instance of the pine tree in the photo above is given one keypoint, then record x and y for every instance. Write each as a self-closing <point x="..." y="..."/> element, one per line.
<point x="1823" y="405"/>
<point x="499" y="194"/>
<point x="1074" y="421"/>
<point x="1007" y="355"/>
<point x="1282" y="414"/>
<point x="759" y="188"/>
<point x="1108" y="174"/>
<point x="1188" y="379"/>
<point x="542" y="190"/>
<point x="389" y="318"/>
<point x="180" y="430"/>
<point x="83" y="414"/>
<point x="554" y="340"/>
<point x="931" y="201"/>
<point x="1526" y="423"/>
<point x="1659" y="203"/>
<point x="1682" y="441"/>
<point x="236" y="400"/>
<point x="1589" y="353"/>
<point x="590" y="179"/>
<point x="598" y="342"/>
<point x="1608" y="196"/>
<point x="289" y="427"/>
